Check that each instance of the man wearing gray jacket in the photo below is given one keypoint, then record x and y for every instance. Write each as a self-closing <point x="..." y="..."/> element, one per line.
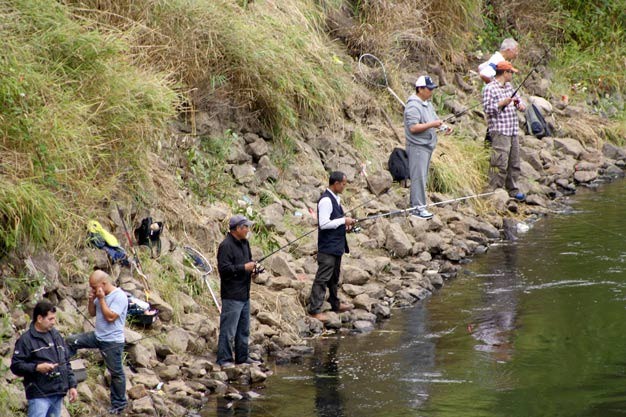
<point x="420" y="124"/>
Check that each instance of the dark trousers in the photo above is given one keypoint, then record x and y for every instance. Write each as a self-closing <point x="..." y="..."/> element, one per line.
<point x="234" y="324"/>
<point x="328" y="270"/>
<point x="112" y="353"/>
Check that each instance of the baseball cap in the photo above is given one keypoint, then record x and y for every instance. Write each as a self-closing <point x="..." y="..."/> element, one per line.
<point x="505" y="66"/>
<point x="425" y="81"/>
<point x="238" y="220"/>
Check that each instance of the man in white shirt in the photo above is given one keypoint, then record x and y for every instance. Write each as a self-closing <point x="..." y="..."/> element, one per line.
<point x="509" y="49"/>
<point x="331" y="245"/>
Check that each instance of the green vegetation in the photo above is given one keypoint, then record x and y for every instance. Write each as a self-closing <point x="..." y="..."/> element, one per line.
<point x="88" y="86"/>
<point x="75" y="122"/>
<point x="271" y="58"/>
<point x="207" y="176"/>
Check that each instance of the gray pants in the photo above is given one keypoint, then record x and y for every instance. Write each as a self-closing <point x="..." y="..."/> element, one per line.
<point x="504" y="168"/>
<point x="419" y="162"/>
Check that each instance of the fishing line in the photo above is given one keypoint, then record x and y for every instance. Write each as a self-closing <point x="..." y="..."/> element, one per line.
<point x="422" y="206"/>
<point x="311" y="231"/>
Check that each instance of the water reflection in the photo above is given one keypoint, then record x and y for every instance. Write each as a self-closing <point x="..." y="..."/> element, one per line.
<point x="229" y="408"/>
<point x="328" y="398"/>
<point x="494" y="320"/>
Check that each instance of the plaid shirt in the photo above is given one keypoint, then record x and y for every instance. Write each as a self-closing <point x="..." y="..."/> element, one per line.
<point x="503" y="121"/>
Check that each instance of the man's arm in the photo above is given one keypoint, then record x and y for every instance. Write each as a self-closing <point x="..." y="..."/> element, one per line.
<point x="20" y="364"/>
<point x="225" y="265"/>
<point x="490" y="102"/>
<point x="414" y="121"/>
<point x="325" y="208"/>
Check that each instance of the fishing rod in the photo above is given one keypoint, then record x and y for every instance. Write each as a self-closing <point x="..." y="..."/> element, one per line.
<point x="533" y="69"/>
<point x="461" y="113"/>
<point x="418" y="207"/>
<point x="311" y="231"/>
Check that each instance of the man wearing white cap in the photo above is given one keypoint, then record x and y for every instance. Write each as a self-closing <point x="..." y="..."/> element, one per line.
<point x="420" y="124"/>
<point x="236" y="267"/>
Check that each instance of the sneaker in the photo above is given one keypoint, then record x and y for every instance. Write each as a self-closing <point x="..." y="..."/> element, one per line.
<point x="423" y="214"/>
<point x="116" y="411"/>
<point x="520" y="196"/>
<point x="250" y="361"/>
<point x="226" y="365"/>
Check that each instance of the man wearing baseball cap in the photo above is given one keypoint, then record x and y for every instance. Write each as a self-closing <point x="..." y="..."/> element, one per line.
<point x="500" y="103"/>
<point x="235" y="267"/>
<point x="420" y="124"/>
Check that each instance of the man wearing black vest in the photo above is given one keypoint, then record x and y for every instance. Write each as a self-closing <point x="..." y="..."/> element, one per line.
<point x="331" y="245"/>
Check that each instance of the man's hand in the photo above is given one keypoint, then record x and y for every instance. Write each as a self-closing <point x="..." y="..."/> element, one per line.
<point x="249" y="266"/>
<point x="502" y="104"/>
<point x="436" y="123"/>
<point x="73" y="394"/>
<point x="349" y="223"/>
<point x="45" y="367"/>
<point x="100" y="293"/>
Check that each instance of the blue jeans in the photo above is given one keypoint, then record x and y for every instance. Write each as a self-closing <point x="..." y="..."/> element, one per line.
<point x="234" y="324"/>
<point x="45" y="407"/>
<point x="112" y="353"/>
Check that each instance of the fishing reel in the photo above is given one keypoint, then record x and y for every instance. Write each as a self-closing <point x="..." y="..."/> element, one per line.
<point x="258" y="269"/>
<point x="53" y="374"/>
<point x="355" y="229"/>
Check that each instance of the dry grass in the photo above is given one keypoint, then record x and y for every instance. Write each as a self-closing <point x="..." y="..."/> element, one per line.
<point x="270" y="58"/>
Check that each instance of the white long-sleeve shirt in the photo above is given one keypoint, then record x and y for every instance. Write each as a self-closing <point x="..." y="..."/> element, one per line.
<point x="324" y="209"/>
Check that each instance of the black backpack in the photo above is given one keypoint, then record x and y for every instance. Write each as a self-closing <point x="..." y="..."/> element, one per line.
<point x="536" y="125"/>
<point x="149" y="235"/>
<point x="399" y="164"/>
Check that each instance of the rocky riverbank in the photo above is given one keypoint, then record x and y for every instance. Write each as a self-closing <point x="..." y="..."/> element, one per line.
<point x="395" y="261"/>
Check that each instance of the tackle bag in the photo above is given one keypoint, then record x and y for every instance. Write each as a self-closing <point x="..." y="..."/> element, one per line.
<point x="99" y="238"/>
<point x="399" y="164"/>
<point x="536" y="125"/>
<point x="140" y="312"/>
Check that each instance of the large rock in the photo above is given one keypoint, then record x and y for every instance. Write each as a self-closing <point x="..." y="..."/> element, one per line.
<point x="243" y="173"/>
<point x="177" y="339"/>
<point x="43" y="265"/>
<point x="257" y="149"/>
<point x="379" y="182"/>
<point x="166" y="311"/>
<point x="614" y="152"/>
<point x="352" y="290"/>
<point x="354" y="275"/>
<point x="397" y="242"/>
<point x="279" y="265"/>
<point x="585" y="176"/>
<point x="569" y="146"/>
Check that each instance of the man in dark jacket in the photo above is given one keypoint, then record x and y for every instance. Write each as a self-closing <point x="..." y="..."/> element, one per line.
<point x="42" y="359"/>
<point x="331" y="245"/>
<point x="236" y="267"/>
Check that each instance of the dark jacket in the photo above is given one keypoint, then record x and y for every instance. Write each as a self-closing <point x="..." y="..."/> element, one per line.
<point x="332" y="241"/>
<point x="232" y="254"/>
<point x="31" y="349"/>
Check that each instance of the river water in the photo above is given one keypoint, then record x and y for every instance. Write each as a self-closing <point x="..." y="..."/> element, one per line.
<point x="532" y="328"/>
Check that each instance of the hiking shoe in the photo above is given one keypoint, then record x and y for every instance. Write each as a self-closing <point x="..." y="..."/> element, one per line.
<point x="520" y="196"/>
<point x="422" y="214"/>
<point x="250" y="361"/>
<point x="116" y="411"/>
<point x="226" y="365"/>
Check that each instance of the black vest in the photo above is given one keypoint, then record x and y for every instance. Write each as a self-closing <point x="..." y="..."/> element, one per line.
<point x="332" y="241"/>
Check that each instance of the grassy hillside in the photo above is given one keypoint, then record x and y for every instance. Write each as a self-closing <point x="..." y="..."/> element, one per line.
<point x="88" y="86"/>
<point x="76" y="120"/>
